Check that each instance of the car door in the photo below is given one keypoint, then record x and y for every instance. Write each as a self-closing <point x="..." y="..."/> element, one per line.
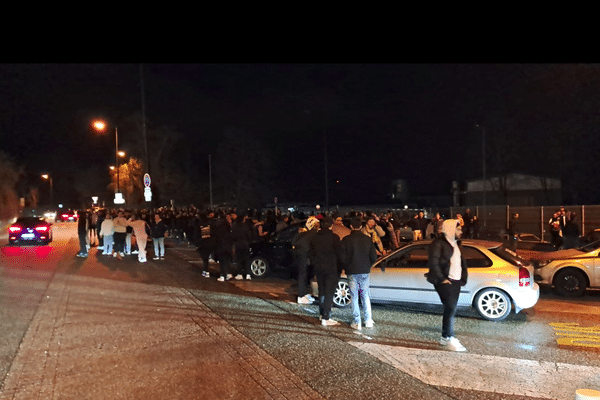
<point x="401" y="277"/>
<point x="282" y="245"/>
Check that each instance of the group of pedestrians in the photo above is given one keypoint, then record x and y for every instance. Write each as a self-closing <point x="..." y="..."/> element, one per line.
<point x="564" y="229"/>
<point x="114" y="231"/>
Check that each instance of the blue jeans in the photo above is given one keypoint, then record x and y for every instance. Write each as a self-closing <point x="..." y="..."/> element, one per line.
<point x="159" y="247"/>
<point x="359" y="288"/>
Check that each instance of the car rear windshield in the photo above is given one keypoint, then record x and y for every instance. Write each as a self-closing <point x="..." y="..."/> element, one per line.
<point x="509" y="256"/>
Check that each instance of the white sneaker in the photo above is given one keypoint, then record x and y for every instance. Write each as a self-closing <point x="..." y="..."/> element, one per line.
<point x="135" y="252"/>
<point x="114" y="254"/>
<point x="239" y="277"/>
<point x="156" y="258"/>
<point x="221" y="279"/>
<point x="229" y="276"/>
<point x="329" y="322"/>
<point x="310" y="298"/>
<point x="304" y="300"/>
<point x="356" y="326"/>
<point x="369" y="324"/>
<point x="452" y="344"/>
<point x="122" y="255"/>
<point x="248" y="277"/>
<point x="206" y="274"/>
<point x="100" y="247"/>
<point x="142" y="260"/>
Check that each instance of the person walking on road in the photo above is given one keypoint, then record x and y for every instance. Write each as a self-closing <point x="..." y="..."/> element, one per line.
<point x="448" y="273"/>
<point x="357" y="255"/>
<point x="324" y="256"/>
<point x="82" y="232"/>
<point x="224" y="247"/>
<point x="158" y="231"/>
<point x="141" y="237"/>
<point x="300" y="250"/>
<point x="206" y="244"/>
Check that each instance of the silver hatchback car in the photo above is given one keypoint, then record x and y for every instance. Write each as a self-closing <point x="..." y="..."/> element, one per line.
<point x="498" y="279"/>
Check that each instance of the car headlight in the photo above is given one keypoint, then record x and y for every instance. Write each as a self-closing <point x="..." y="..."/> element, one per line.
<point x="542" y="263"/>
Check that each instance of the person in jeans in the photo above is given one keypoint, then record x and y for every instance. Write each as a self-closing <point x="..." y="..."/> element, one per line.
<point x="120" y="225"/>
<point x="448" y="273"/>
<point x="158" y="229"/>
<point x="82" y="233"/>
<point x="324" y="256"/>
<point x="357" y="254"/>
<point x="106" y="234"/>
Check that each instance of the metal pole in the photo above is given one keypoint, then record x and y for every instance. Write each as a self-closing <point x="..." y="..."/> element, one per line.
<point x="51" y="192"/>
<point x="484" y="177"/>
<point x="326" y="178"/>
<point x="144" y="121"/>
<point x="210" y="180"/>
<point x="117" y="156"/>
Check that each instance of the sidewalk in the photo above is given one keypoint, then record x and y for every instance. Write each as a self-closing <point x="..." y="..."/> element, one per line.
<point x="104" y="339"/>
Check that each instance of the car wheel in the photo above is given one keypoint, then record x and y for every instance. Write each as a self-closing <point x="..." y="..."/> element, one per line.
<point x="341" y="297"/>
<point x="570" y="282"/>
<point x="493" y="304"/>
<point x="259" y="267"/>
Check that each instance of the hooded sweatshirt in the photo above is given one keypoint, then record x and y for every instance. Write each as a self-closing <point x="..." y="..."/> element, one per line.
<point x="449" y="231"/>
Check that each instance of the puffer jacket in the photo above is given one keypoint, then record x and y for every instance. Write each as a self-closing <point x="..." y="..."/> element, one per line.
<point x="440" y="252"/>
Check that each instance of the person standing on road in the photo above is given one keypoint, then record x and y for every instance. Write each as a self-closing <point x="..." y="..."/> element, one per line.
<point x="206" y="244"/>
<point x="300" y="250"/>
<point x="448" y="273"/>
<point x="242" y="236"/>
<point x="120" y="223"/>
<point x="324" y="256"/>
<point x="158" y="231"/>
<point x="357" y="255"/>
<point x="107" y="231"/>
<point x="82" y="232"/>
<point x="224" y="247"/>
<point x="338" y="226"/>
<point x="141" y="237"/>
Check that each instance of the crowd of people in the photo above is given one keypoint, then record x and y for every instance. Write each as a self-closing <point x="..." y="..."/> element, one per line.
<point x="326" y="245"/>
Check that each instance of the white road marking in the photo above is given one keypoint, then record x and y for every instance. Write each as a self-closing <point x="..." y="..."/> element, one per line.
<point x="487" y="373"/>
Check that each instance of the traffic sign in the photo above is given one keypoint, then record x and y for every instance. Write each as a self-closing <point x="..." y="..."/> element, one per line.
<point x="147" y="180"/>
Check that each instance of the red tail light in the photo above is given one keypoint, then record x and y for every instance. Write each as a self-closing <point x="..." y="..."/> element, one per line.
<point x="524" y="277"/>
<point x="15" y="229"/>
<point x="41" y="228"/>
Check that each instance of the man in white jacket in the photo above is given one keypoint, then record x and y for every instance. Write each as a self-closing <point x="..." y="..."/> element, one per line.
<point x="106" y="232"/>
<point x="141" y="237"/>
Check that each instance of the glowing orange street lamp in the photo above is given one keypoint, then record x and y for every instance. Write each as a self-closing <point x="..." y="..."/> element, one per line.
<point x="100" y="126"/>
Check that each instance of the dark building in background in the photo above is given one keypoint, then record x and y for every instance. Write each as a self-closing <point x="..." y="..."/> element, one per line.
<point x="511" y="189"/>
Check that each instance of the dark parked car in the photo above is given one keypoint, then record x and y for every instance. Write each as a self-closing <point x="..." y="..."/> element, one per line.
<point x="274" y="251"/>
<point x="30" y="230"/>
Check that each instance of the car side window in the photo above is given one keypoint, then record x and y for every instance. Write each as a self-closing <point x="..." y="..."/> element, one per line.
<point x="415" y="257"/>
<point x="475" y="258"/>
<point x="287" y="234"/>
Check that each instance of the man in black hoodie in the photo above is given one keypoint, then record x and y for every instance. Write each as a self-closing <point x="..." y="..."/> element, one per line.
<point x="324" y="256"/>
<point x="357" y="255"/>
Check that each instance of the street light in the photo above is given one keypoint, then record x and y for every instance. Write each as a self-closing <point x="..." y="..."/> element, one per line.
<point x="100" y="126"/>
<point x="48" y="177"/>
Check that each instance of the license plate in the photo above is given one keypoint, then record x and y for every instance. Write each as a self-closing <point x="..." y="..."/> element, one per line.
<point x="28" y="236"/>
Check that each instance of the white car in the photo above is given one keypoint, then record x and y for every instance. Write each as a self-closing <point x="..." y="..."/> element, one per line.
<point x="498" y="279"/>
<point x="570" y="271"/>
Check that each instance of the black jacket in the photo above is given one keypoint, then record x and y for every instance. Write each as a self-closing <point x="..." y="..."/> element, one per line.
<point x="357" y="253"/>
<point x="440" y="252"/>
<point x="324" y="252"/>
<point x="158" y="229"/>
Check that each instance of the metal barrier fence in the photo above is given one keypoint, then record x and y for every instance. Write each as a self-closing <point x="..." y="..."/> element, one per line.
<point x="534" y="220"/>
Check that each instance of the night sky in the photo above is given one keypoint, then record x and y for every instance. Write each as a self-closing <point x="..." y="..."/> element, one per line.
<point x="380" y="122"/>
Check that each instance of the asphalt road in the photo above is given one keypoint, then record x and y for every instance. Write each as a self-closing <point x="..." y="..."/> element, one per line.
<point x="546" y="352"/>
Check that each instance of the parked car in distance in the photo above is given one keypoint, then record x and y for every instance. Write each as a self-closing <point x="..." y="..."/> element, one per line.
<point x="570" y="271"/>
<point x="28" y="230"/>
<point x="498" y="279"/>
<point x="66" y="216"/>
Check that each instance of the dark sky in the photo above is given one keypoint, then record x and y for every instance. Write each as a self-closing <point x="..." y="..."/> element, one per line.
<point x="381" y="121"/>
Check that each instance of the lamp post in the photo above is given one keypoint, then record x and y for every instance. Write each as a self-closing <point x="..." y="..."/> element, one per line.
<point x="100" y="126"/>
<point x="48" y="177"/>
<point x="483" y="172"/>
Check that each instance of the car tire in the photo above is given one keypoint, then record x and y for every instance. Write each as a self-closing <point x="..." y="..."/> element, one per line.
<point x="341" y="296"/>
<point x="570" y="282"/>
<point x="259" y="267"/>
<point x="493" y="304"/>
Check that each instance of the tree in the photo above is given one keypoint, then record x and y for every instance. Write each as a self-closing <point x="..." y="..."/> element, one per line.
<point x="130" y="181"/>
<point x="9" y="176"/>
